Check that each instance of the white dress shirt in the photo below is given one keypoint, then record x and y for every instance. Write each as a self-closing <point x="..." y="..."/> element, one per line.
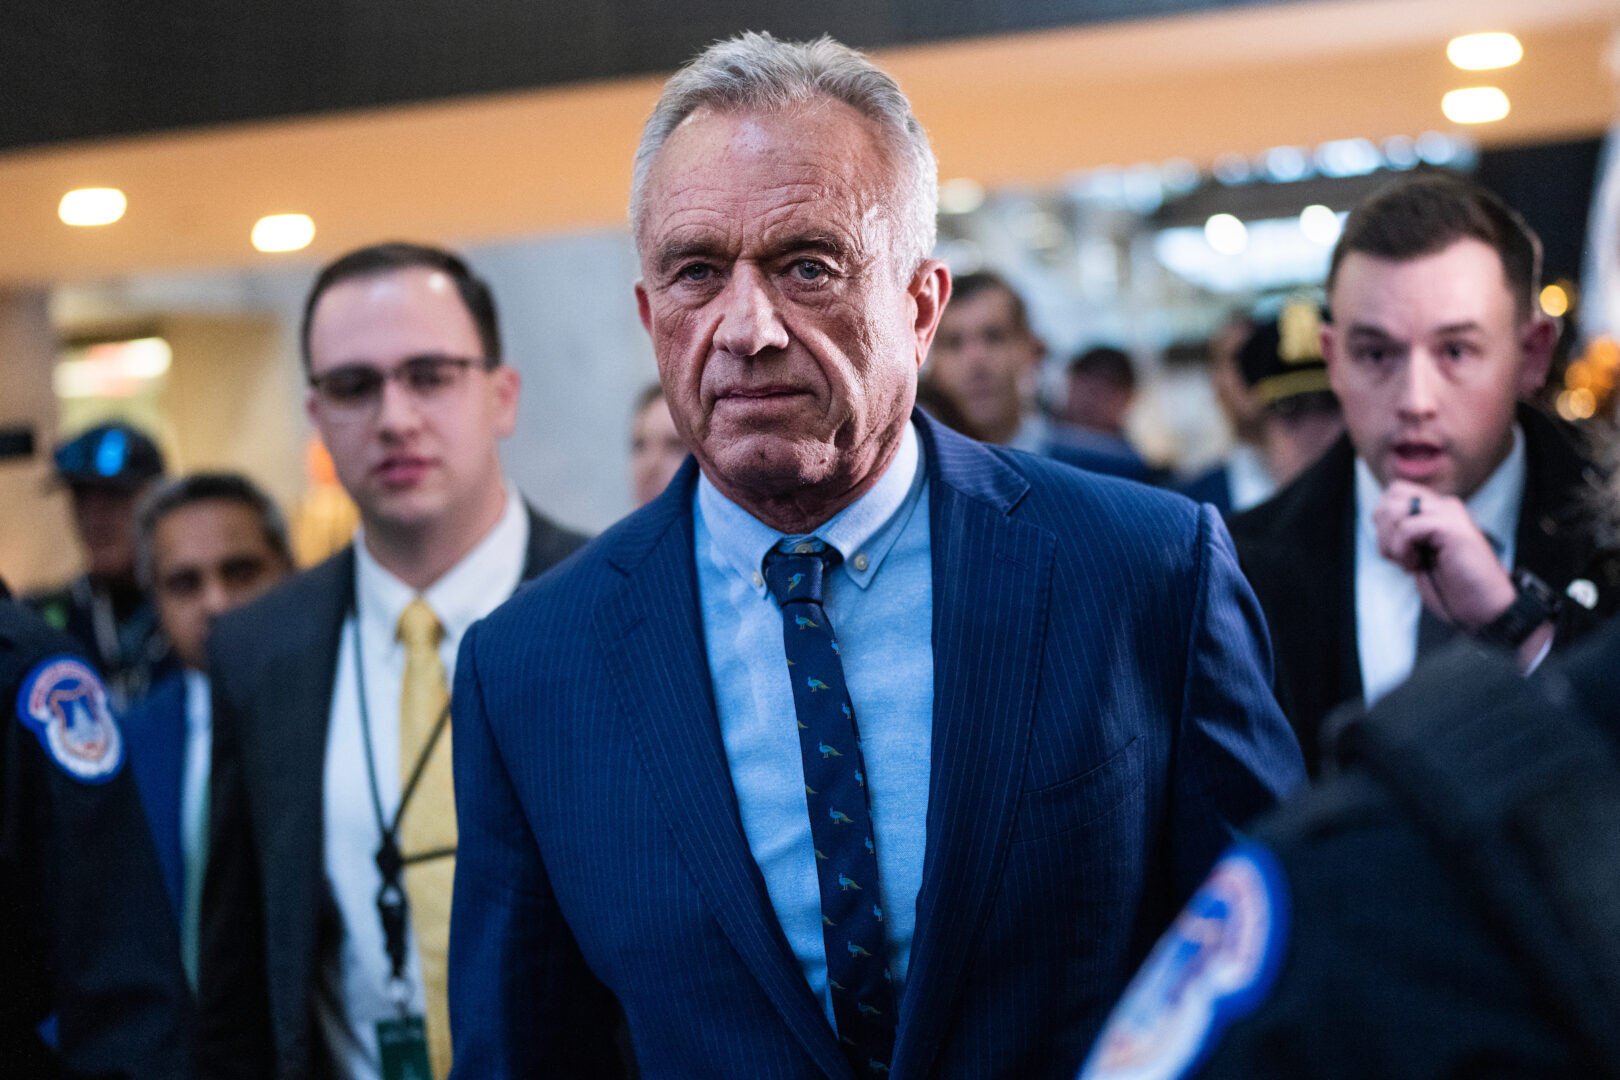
<point x="1248" y="479"/>
<point x="354" y="980"/>
<point x="1387" y="600"/>
<point x="194" y="813"/>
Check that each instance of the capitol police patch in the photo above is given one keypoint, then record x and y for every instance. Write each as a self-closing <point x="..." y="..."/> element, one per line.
<point x="1215" y="965"/>
<point x="63" y="702"/>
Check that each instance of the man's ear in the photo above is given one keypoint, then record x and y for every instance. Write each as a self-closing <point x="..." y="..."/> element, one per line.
<point x="643" y="307"/>
<point x="930" y="291"/>
<point x="1537" y="339"/>
<point x="507" y="384"/>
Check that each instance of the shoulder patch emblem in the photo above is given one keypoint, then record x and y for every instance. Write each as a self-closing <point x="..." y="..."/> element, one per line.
<point x="1215" y="965"/>
<point x="65" y="705"/>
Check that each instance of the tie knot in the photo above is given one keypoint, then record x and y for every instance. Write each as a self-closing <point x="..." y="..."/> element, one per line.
<point x="418" y="626"/>
<point x="796" y="574"/>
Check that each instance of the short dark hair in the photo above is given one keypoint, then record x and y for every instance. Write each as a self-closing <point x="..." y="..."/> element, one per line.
<point x="400" y="255"/>
<point x="984" y="281"/>
<point x="206" y="487"/>
<point x="1425" y="213"/>
<point x="1107" y="363"/>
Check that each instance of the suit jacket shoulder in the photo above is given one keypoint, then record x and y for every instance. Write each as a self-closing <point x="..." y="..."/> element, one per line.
<point x="549" y="543"/>
<point x="1298" y="550"/>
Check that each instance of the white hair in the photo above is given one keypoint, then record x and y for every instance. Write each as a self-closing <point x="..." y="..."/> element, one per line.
<point x="755" y="72"/>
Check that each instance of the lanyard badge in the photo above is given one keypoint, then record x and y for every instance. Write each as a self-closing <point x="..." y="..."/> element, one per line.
<point x="402" y="1045"/>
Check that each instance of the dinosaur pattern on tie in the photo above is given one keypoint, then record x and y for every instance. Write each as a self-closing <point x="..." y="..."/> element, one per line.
<point x="836" y="797"/>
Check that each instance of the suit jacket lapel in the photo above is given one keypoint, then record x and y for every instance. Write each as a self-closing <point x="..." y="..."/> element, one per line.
<point x="294" y="749"/>
<point x="1555" y="539"/>
<point x="989" y="632"/>
<point x="652" y="638"/>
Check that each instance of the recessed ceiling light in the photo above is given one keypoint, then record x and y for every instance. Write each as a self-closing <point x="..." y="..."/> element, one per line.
<point x="1481" y="52"/>
<point x="1226" y="234"/>
<point x="283" y="232"/>
<point x="1320" y="224"/>
<point x="92" y="206"/>
<point x="1475" y="105"/>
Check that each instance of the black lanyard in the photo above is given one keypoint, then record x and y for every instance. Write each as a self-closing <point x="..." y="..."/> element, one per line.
<point x="392" y="906"/>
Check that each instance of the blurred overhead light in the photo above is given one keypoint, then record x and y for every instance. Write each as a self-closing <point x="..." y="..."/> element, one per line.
<point x="1480" y="52"/>
<point x="1555" y="300"/>
<point x="1232" y="169"/>
<point x="1286" y="164"/>
<point x="1476" y="105"/>
<point x="1226" y="234"/>
<point x="1319" y="224"/>
<point x="113" y="368"/>
<point x="92" y="206"/>
<point x="1179" y="176"/>
<point x="1348" y="157"/>
<point x="960" y="196"/>
<point x="1400" y="151"/>
<point x="283" y="232"/>
<point x="1579" y="404"/>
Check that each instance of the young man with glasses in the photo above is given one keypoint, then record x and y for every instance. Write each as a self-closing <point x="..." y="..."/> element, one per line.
<point x="325" y="913"/>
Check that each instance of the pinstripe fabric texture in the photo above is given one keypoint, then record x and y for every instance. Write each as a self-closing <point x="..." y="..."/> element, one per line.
<point x="1103" y="722"/>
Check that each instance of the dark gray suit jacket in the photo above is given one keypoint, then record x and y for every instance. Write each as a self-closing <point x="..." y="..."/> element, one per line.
<point x="268" y="916"/>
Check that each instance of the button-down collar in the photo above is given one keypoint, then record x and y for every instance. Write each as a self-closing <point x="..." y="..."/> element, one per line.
<point x="863" y="532"/>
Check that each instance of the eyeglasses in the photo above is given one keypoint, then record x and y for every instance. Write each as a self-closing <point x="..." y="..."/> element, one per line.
<point x="358" y="387"/>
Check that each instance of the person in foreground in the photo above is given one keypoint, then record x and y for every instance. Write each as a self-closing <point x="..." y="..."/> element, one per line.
<point x="933" y="843"/>
<point x="89" y="958"/>
<point x="1443" y="906"/>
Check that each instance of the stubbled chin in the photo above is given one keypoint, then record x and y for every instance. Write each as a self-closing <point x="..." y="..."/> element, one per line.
<point x="769" y="462"/>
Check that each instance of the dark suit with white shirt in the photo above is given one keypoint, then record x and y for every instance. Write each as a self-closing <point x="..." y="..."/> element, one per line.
<point x="268" y="916"/>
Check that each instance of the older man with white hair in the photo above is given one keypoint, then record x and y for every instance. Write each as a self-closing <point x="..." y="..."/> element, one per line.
<point x="932" y="843"/>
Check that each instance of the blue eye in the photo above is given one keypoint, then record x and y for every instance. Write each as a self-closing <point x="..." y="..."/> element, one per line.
<point x="695" y="272"/>
<point x="809" y="270"/>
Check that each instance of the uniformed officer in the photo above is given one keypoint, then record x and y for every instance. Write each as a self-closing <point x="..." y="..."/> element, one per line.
<point x="90" y="980"/>
<point x="106" y="469"/>
<point x="1447" y="905"/>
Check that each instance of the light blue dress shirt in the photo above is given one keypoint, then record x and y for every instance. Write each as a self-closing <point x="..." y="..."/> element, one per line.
<point x="880" y="602"/>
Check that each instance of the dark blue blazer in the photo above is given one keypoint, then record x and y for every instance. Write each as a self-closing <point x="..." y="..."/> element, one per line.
<point x="155" y="734"/>
<point x="1103" y="722"/>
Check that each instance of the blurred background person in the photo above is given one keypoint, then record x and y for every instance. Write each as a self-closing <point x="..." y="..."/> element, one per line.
<point x="208" y="542"/>
<point x="656" y="449"/>
<point x="942" y="407"/>
<point x="1242" y="478"/>
<point x="1099" y="390"/>
<point x="106" y="469"/>
<point x="1283" y="371"/>
<point x="987" y="360"/>
<point x="1451" y="505"/>
<point x="333" y="830"/>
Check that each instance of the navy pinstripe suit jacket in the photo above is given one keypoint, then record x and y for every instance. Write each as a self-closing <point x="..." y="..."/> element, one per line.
<point x="1103" y="722"/>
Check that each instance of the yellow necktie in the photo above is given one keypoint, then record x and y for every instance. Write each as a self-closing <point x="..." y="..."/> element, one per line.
<point x="429" y="821"/>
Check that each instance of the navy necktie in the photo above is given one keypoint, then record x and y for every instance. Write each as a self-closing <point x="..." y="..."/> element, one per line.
<point x="840" y="811"/>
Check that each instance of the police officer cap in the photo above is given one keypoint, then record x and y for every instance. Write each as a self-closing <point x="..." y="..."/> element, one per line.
<point x="1282" y="358"/>
<point x="109" y="455"/>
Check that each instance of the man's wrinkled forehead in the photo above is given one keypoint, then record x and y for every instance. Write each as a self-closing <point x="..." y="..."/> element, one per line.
<point x="753" y="133"/>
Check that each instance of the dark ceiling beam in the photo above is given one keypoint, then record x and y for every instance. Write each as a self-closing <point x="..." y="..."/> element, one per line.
<point x="83" y="69"/>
